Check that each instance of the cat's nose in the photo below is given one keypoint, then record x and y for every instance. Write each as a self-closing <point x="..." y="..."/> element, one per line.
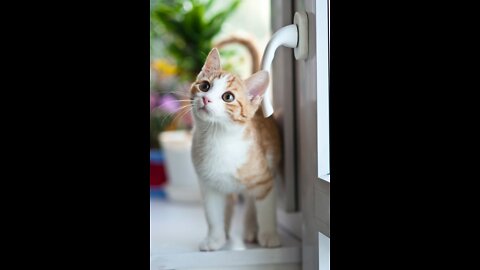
<point x="205" y="100"/>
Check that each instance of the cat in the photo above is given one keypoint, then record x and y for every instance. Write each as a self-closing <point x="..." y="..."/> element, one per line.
<point x="234" y="149"/>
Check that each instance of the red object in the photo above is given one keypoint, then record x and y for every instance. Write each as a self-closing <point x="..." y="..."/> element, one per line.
<point x="158" y="176"/>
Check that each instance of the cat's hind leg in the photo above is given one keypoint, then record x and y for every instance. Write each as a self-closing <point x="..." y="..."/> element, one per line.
<point x="250" y="227"/>
<point x="266" y="210"/>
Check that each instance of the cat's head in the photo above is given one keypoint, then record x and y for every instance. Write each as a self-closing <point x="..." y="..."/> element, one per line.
<point x="221" y="97"/>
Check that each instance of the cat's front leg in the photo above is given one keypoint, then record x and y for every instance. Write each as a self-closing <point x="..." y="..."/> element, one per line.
<point x="265" y="205"/>
<point x="214" y="205"/>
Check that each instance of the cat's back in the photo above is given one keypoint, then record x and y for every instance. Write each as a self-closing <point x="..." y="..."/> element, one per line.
<point x="267" y="137"/>
<point x="264" y="156"/>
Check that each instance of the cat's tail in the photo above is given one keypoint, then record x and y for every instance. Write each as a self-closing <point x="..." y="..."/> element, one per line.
<point x="247" y="43"/>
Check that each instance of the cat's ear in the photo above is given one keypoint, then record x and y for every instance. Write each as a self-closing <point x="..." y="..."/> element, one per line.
<point x="212" y="63"/>
<point x="257" y="85"/>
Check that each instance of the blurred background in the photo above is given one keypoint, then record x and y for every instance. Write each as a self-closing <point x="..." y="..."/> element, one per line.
<point x="182" y="33"/>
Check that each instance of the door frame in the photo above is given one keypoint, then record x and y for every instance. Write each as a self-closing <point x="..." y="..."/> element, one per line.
<point x="312" y="180"/>
<point x="310" y="93"/>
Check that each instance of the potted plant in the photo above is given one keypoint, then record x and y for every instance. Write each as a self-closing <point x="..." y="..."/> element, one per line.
<point x="187" y="29"/>
<point x="184" y="33"/>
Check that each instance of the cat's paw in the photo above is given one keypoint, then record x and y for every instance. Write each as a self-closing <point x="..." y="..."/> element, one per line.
<point x="211" y="243"/>
<point x="268" y="239"/>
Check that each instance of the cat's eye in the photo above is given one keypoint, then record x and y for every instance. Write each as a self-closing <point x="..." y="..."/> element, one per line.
<point x="204" y="86"/>
<point x="228" y="97"/>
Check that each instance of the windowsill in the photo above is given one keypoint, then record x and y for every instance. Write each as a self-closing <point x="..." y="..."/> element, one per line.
<point x="325" y="178"/>
<point x="176" y="229"/>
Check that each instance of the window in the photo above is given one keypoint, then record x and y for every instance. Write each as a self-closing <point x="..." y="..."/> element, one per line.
<point x="323" y="43"/>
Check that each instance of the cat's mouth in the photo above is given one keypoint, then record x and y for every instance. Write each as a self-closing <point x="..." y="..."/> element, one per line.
<point x="204" y="109"/>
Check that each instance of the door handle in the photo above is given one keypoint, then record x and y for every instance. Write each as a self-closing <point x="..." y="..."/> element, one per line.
<point x="292" y="36"/>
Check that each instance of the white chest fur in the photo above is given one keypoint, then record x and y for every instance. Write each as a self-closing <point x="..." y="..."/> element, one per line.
<point x="217" y="154"/>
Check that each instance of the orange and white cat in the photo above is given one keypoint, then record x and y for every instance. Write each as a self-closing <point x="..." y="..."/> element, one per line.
<point x="235" y="149"/>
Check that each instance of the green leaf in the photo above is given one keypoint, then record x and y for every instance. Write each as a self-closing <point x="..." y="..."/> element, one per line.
<point x="209" y="4"/>
<point x="187" y="34"/>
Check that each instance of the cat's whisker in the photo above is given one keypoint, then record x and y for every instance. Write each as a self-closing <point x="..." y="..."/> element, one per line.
<point x="180" y="109"/>
<point x="181" y="115"/>
<point x="168" y="102"/>
<point x="182" y="93"/>
<point x="187" y="111"/>
<point x="177" y="112"/>
<point x="177" y="100"/>
<point x="185" y="106"/>
<point x="165" y="117"/>
<point x="165" y="104"/>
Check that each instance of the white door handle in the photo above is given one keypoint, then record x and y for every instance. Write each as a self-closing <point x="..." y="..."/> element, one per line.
<point x="291" y="36"/>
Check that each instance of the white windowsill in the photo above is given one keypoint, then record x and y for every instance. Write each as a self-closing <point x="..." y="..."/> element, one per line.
<point x="325" y="178"/>
<point x="176" y="229"/>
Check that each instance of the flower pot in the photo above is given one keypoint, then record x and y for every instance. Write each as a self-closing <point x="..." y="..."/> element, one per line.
<point x="158" y="177"/>
<point x="182" y="184"/>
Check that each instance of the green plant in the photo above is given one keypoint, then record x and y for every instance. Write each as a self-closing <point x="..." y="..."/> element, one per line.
<point x="187" y="31"/>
